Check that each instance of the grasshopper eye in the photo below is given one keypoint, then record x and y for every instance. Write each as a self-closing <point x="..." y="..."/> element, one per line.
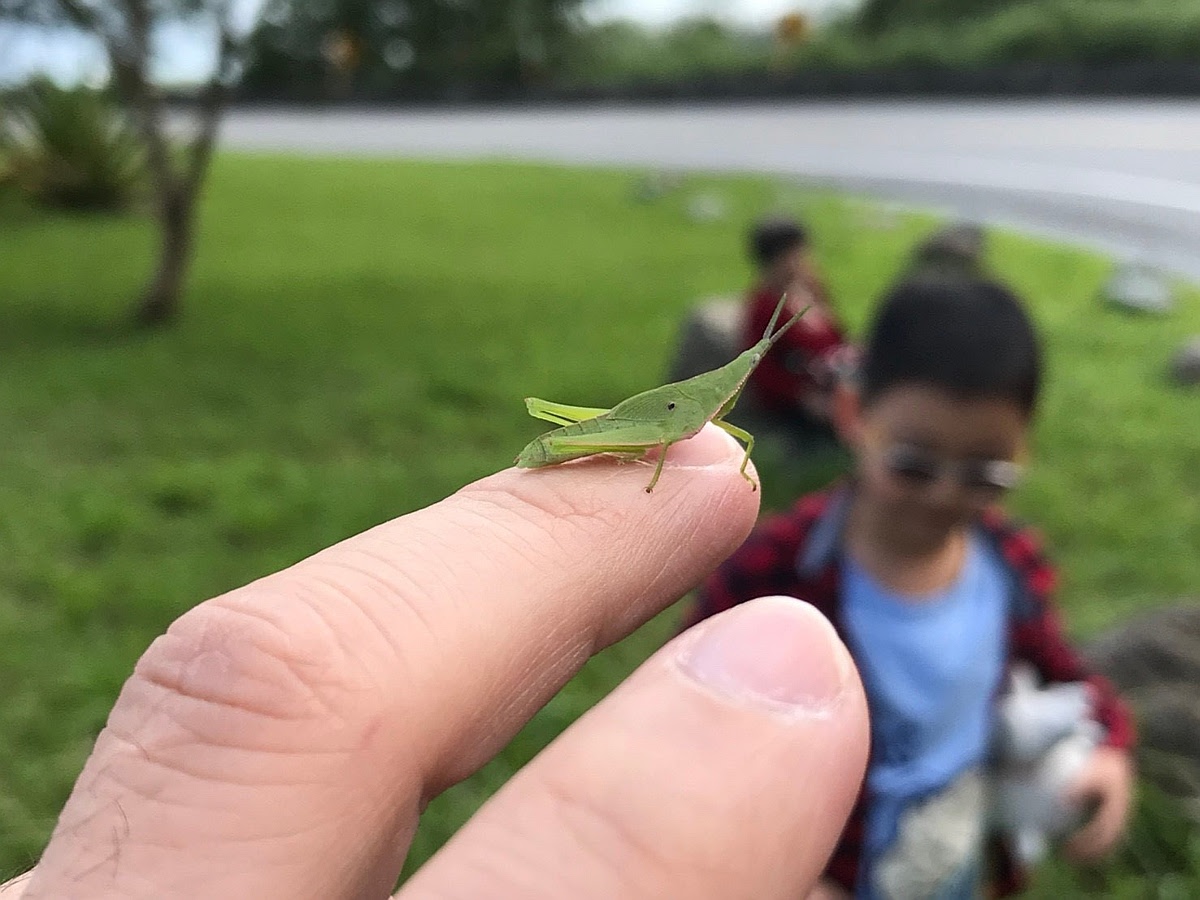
<point x="670" y="407"/>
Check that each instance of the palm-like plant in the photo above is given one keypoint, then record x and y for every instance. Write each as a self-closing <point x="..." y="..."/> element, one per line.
<point x="70" y="148"/>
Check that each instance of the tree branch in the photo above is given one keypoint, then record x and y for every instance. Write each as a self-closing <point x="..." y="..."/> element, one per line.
<point x="81" y="16"/>
<point x="212" y="100"/>
<point x="130" y="60"/>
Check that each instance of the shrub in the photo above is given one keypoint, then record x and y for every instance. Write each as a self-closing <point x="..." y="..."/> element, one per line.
<point x="70" y="148"/>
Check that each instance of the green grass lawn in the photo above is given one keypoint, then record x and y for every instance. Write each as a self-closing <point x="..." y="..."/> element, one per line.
<point x="356" y="344"/>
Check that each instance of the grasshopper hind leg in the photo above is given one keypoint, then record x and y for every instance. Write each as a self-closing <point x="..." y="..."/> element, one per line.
<point x="748" y="439"/>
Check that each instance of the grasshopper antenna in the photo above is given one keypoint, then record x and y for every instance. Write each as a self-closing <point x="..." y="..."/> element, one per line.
<point x="775" y="316"/>
<point x="785" y="326"/>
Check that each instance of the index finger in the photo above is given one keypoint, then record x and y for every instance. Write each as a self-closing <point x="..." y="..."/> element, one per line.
<point x="307" y="717"/>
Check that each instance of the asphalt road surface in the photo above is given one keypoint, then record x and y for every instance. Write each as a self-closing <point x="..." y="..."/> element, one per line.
<point x="1120" y="176"/>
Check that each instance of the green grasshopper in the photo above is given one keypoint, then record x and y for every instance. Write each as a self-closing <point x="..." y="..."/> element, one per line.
<point x="656" y="418"/>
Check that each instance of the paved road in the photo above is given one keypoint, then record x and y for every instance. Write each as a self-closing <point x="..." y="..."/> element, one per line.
<point x="1121" y="176"/>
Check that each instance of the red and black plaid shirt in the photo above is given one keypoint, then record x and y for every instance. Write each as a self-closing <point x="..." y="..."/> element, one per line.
<point x="788" y="372"/>
<point x="797" y="554"/>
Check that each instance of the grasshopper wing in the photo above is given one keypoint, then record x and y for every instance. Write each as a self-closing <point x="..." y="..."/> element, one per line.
<point x="560" y="413"/>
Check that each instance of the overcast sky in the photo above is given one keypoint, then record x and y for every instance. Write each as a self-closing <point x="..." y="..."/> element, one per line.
<point x="184" y="56"/>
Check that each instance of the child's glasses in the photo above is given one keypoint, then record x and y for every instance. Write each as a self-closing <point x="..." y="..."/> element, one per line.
<point x="921" y="468"/>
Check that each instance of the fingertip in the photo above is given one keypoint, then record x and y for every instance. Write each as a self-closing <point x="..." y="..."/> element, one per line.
<point x="711" y="446"/>
<point x="774" y="652"/>
<point x="706" y="470"/>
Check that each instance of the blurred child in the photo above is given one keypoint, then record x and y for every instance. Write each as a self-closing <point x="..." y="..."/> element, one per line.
<point x="936" y="592"/>
<point x="798" y="376"/>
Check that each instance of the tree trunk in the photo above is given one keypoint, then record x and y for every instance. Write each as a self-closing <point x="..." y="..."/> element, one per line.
<point x="161" y="301"/>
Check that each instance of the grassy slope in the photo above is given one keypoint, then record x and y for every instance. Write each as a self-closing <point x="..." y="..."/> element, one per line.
<point x="356" y="344"/>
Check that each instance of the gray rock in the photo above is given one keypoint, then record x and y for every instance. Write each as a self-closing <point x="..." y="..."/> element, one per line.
<point x="706" y="208"/>
<point x="1161" y="647"/>
<point x="1154" y="661"/>
<point x="1139" y="288"/>
<point x="711" y="336"/>
<point x="964" y="242"/>
<point x="656" y="185"/>
<point x="881" y="217"/>
<point x="959" y="249"/>
<point x="1185" y="366"/>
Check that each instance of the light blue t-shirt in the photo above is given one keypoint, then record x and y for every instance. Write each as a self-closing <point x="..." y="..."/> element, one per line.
<point x="931" y="667"/>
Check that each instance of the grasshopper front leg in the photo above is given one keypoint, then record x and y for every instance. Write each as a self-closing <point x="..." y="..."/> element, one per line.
<point x="748" y="439"/>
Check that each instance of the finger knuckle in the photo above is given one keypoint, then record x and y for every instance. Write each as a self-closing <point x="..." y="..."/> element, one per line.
<point x="226" y="668"/>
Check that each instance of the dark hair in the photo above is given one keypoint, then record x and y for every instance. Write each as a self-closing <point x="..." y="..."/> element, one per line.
<point x="967" y="335"/>
<point x="770" y="238"/>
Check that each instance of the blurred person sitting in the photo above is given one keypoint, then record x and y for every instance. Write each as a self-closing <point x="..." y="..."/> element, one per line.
<point x="798" y="376"/>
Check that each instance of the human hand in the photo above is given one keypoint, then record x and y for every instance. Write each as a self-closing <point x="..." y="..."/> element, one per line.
<point x="281" y="740"/>
<point x="1106" y="782"/>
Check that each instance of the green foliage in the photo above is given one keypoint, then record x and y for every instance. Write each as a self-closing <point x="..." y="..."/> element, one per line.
<point x="70" y="149"/>
<point x="1096" y="32"/>
<point x="362" y="336"/>
<point x="622" y="51"/>
<point x="517" y="42"/>
<point x="914" y="34"/>
<point x="397" y="45"/>
<point x="875" y="16"/>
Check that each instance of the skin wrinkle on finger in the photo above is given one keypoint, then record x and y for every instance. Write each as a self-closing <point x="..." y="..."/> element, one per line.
<point x="484" y="635"/>
<point x="142" y="788"/>
<point x="242" y="768"/>
<point x="230" y="702"/>
<point x="232" y="842"/>
<point x="521" y="503"/>
<point x="265" y="606"/>
<point x="237" y="659"/>
<point x="333" y="588"/>
<point x="537" y="545"/>
<point x="234" y="712"/>
<point x="591" y="821"/>
<point x="387" y="584"/>
<point x="392" y="590"/>
<point x="99" y="850"/>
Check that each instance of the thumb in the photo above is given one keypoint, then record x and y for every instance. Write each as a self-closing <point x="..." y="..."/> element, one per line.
<point x="725" y="767"/>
